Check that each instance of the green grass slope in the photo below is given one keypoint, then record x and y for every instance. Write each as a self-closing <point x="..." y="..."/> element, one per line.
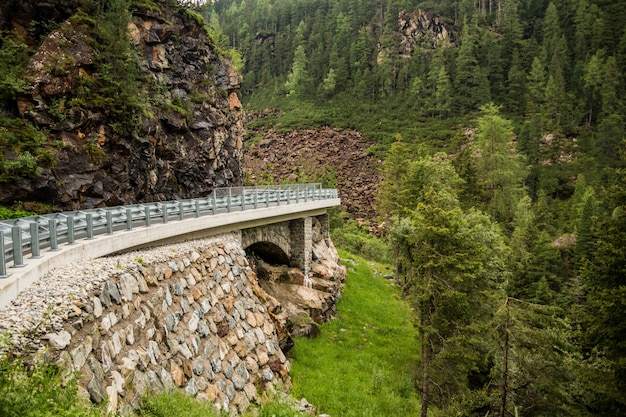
<point x="362" y="364"/>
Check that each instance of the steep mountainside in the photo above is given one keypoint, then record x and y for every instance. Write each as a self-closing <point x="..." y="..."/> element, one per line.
<point x="123" y="104"/>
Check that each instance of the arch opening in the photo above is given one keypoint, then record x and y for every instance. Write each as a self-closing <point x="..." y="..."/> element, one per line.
<point x="267" y="259"/>
<point x="268" y="252"/>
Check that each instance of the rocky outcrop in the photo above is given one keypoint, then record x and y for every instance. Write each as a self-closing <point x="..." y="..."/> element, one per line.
<point x="26" y="17"/>
<point x="327" y="155"/>
<point x="423" y="29"/>
<point x="186" y="140"/>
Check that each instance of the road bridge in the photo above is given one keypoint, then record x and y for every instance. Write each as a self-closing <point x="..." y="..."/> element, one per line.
<point x="276" y="222"/>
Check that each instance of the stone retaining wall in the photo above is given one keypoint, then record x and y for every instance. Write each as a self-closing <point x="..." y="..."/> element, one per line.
<point x="193" y="318"/>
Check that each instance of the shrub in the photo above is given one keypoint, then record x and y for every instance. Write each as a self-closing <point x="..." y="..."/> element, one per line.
<point x="8" y="213"/>
<point x="279" y="409"/>
<point x="175" y="403"/>
<point x="13" y="58"/>
<point x="348" y="235"/>
<point x="36" y="390"/>
<point x="25" y="165"/>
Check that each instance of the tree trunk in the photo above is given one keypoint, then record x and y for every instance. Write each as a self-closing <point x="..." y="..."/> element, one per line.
<point x="425" y="392"/>
<point x="397" y="262"/>
<point x="505" y="359"/>
<point x="425" y="353"/>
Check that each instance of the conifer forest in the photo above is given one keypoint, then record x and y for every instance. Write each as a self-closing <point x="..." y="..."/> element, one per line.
<point x="502" y="128"/>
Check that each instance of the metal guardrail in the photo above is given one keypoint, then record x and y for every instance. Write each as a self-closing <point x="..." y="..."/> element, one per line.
<point x="29" y="235"/>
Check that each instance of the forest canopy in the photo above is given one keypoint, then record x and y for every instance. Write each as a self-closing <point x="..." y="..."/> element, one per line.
<point x="502" y="126"/>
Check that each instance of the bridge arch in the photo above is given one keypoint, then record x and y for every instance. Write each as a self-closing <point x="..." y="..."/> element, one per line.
<point x="270" y="242"/>
<point x="268" y="252"/>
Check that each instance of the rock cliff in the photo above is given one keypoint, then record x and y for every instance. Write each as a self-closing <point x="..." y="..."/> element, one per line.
<point x="423" y="29"/>
<point x="149" y="115"/>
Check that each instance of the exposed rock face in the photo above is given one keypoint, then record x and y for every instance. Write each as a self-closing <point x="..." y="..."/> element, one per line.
<point x="423" y="28"/>
<point x="187" y="142"/>
<point x="319" y="154"/>
<point x="22" y="16"/>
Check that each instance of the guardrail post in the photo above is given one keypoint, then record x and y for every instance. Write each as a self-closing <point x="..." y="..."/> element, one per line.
<point x="129" y="219"/>
<point x="3" y="265"/>
<point x="256" y="198"/>
<point x="230" y="197"/>
<point x="267" y="197"/>
<point x="109" y="217"/>
<point x="70" y="230"/>
<point x="181" y="211"/>
<point x="288" y="196"/>
<point x="214" y="205"/>
<point x="165" y="213"/>
<point x="146" y="210"/>
<point x="34" y="241"/>
<point x="89" y="219"/>
<point x="18" y="255"/>
<point x="197" y="207"/>
<point x="243" y="199"/>
<point x="52" y="229"/>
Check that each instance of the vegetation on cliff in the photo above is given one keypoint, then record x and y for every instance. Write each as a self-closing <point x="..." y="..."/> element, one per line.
<point x="117" y="102"/>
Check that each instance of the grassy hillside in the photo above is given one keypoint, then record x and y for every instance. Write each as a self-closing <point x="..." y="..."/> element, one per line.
<point x="362" y="362"/>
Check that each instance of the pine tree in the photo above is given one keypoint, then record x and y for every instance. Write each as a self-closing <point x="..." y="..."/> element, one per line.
<point x="443" y="93"/>
<point x="536" y="87"/>
<point x="593" y="81"/>
<point x="452" y="261"/>
<point x="298" y="78"/>
<point x="391" y="199"/>
<point x="604" y="324"/>
<point x="515" y="98"/>
<point x="532" y="368"/>
<point x="611" y="100"/>
<point x="446" y="263"/>
<point x="500" y="168"/>
<point x="467" y="74"/>
<point x="585" y="241"/>
<point x="439" y="85"/>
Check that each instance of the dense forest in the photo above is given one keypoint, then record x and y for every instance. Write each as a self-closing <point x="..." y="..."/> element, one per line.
<point x="502" y="128"/>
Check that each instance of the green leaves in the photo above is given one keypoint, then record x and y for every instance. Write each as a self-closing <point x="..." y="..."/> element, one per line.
<point x="500" y="169"/>
<point x="14" y="56"/>
<point x="26" y="146"/>
<point x="39" y="390"/>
